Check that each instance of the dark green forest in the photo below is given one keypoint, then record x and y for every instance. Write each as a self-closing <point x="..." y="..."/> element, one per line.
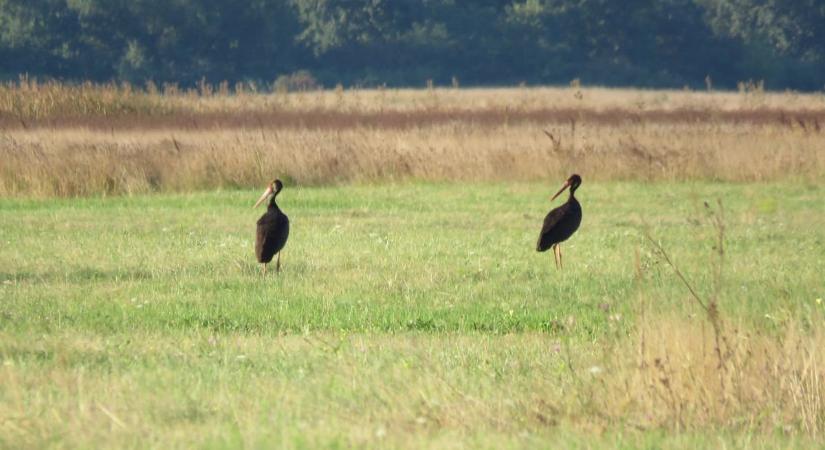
<point x="646" y="43"/>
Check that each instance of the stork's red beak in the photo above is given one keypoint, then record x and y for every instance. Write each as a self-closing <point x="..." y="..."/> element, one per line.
<point x="266" y="194"/>
<point x="566" y="184"/>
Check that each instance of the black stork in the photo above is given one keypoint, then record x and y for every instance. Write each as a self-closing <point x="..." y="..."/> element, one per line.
<point x="561" y="222"/>
<point x="273" y="228"/>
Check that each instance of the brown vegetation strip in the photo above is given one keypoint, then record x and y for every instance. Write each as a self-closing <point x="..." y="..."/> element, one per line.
<point x="808" y="119"/>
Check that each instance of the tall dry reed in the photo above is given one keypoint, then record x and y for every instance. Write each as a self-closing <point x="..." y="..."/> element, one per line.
<point x="60" y="140"/>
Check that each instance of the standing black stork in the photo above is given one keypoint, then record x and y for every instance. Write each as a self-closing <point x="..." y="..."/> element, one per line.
<point x="273" y="228"/>
<point x="561" y="222"/>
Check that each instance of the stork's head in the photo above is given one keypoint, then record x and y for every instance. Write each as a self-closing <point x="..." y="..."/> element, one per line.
<point x="573" y="183"/>
<point x="273" y="189"/>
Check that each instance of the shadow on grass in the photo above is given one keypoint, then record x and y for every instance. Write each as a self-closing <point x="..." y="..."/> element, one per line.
<point x="82" y="275"/>
<point x="86" y="274"/>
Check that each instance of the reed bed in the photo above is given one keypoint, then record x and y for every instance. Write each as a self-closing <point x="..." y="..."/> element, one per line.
<point x="58" y="140"/>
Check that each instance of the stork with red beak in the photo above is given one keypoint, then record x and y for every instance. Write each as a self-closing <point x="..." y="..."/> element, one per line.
<point x="561" y="222"/>
<point x="273" y="228"/>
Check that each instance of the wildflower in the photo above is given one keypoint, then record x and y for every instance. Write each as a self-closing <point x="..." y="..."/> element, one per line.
<point x="819" y="301"/>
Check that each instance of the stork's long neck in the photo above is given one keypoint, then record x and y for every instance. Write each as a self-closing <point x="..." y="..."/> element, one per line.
<point x="572" y="198"/>
<point x="272" y="205"/>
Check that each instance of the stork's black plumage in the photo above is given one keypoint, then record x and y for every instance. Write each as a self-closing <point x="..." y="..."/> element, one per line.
<point x="273" y="228"/>
<point x="561" y="222"/>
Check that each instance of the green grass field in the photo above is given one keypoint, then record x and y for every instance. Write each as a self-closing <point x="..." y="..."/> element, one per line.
<point x="405" y="315"/>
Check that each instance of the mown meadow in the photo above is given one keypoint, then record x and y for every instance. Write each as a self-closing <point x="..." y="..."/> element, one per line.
<point x="412" y="310"/>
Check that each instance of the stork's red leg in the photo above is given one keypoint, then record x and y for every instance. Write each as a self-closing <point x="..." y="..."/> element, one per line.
<point x="556" y="256"/>
<point x="278" y="263"/>
<point x="560" y="263"/>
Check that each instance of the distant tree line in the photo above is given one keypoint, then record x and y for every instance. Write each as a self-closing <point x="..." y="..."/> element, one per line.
<point x="652" y="43"/>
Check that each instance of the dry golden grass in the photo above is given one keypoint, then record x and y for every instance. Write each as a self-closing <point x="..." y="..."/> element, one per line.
<point x="89" y="140"/>
<point x="30" y="101"/>
<point x="669" y="376"/>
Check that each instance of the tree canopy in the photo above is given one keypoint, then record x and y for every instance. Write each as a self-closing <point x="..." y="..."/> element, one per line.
<point x="650" y="43"/>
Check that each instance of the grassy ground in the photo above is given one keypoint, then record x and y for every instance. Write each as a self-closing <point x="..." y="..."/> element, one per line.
<point x="406" y="315"/>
